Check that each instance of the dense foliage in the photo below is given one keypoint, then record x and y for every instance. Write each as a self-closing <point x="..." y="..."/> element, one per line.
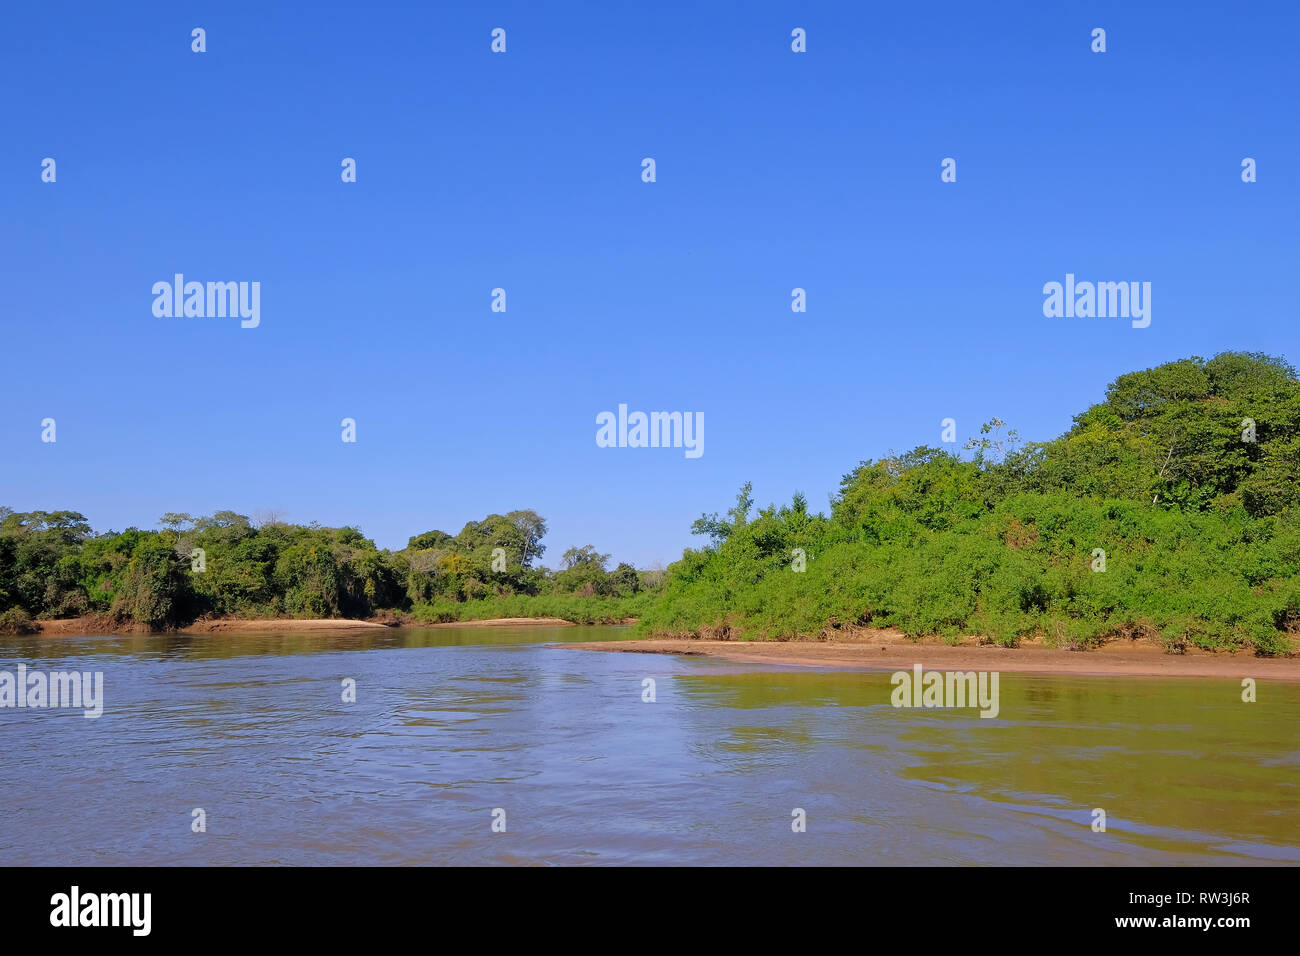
<point x="1171" y="509"/>
<point x="52" y="565"/>
<point x="1185" y="476"/>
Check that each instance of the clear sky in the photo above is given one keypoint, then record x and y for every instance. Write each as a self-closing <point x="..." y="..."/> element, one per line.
<point x="522" y="171"/>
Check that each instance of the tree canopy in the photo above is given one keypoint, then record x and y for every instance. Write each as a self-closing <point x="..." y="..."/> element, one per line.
<point x="1168" y="509"/>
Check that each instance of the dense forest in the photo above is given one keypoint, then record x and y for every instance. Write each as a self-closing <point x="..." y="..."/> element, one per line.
<point x="53" y="565"/>
<point x="1170" y="510"/>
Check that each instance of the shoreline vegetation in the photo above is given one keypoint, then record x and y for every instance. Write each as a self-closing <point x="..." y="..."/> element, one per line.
<point x="98" y="625"/>
<point x="1167" y="516"/>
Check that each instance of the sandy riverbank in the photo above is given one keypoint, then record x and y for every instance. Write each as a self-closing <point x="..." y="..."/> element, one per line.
<point x="505" y="622"/>
<point x="277" y="626"/>
<point x="890" y="650"/>
<point x="97" y="624"/>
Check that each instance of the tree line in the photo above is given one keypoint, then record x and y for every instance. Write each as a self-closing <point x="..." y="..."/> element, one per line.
<point x="53" y="565"/>
<point x="1170" y="510"/>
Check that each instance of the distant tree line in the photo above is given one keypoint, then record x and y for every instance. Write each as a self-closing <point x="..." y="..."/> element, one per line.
<point x="53" y="565"/>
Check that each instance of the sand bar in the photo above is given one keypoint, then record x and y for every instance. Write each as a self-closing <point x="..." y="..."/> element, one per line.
<point x="1118" y="659"/>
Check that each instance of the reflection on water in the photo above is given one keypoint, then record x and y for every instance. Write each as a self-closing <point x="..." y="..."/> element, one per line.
<point x="451" y="723"/>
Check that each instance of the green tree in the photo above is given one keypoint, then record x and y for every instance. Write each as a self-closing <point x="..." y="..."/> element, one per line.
<point x="718" y="529"/>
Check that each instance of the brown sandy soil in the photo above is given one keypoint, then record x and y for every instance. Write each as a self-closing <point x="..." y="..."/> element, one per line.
<point x="102" y="624"/>
<point x="87" y="624"/>
<point x="891" y="650"/>
<point x="232" y="625"/>
<point x="99" y="624"/>
<point x="503" y="622"/>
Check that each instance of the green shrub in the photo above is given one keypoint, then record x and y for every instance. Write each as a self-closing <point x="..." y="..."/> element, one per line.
<point x="17" y="621"/>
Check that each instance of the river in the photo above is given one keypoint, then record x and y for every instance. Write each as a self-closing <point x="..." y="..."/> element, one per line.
<point x="455" y="729"/>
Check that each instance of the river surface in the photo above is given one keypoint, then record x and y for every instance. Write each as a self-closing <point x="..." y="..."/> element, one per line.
<point x="455" y="728"/>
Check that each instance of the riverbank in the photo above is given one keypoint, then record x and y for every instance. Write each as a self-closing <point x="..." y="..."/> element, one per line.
<point x="502" y="622"/>
<point x="891" y="650"/>
<point x="100" y="624"/>
<point x="94" y="624"/>
<point x="278" y="625"/>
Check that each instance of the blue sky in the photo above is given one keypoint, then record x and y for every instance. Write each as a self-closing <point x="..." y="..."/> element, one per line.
<point x="522" y="170"/>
